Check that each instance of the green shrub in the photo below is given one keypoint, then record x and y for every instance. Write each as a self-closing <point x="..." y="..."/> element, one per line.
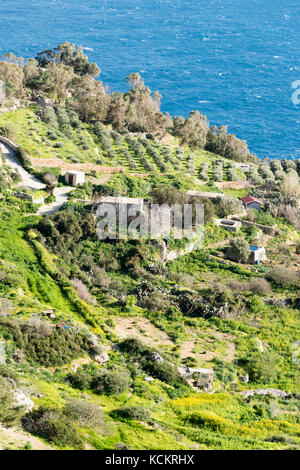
<point x="134" y="346"/>
<point x="58" y="349"/>
<point x="137" y="413"/>
<point x="283" y="276"/>
<point x="49" y="199"/>
<point x="8" y="373"/>
<point x="208" y="419"/>
<point x="44" y="344"/>
<point x="81" y="379"/>
<point x="262" y="367"/>
<point x="164" y="372"/>
<point x="52" y="425"/>
<point x="28" y="446"/>
<point x="179" y="391"/>
<point x="10" y="412"/>
<point x="84" y="412"/>
<point x="265" y="218"/>
<point x="111" y="383"/>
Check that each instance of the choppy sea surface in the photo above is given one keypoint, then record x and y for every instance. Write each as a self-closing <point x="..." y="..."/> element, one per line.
<point x="235" y="60"/>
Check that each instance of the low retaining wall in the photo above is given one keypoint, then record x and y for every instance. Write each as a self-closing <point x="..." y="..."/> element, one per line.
<point x="265" y="228"/>
<point x="8" y="142"/>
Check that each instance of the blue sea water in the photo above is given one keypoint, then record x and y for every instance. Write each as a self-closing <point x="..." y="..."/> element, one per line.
<point x="234" y="60"/>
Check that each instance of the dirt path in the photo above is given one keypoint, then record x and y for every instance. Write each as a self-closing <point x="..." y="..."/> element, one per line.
<point x="15" y="438"/>
<point x="31" y="182"/>
<point x="61" y="195"/>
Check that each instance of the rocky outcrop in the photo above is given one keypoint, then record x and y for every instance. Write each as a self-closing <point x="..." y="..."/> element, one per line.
<point x="259" y="344"/>
<point x="277" y="302"/>
<point x="23" y="400"/>
<point x="243" y="378"/>
<point x="155" y="357"/>
<point x="101" y="357"/>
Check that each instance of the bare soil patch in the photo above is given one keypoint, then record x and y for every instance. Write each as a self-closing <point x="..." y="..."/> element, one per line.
<point x="15" y="438"/>
<point x="204" y="349"/>
<point x="142" y="329"/>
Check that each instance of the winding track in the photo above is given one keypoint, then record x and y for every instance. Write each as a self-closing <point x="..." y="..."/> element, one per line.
<point x="32" y="183"/>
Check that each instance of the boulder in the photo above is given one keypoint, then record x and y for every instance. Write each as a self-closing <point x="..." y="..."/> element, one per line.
<point x="101" y="357"/>
<point x="94" y="340"/>
<point x="155" y="357"/>
<point x="243" y="378"/>
<point x="259" y="345"/>
<point x="22" y="399"/>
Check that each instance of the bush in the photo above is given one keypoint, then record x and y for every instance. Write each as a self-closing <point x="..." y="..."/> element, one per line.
<point x="50" y="198"/>
<point x="259" y="286"/>
<point x="179" y="391"/>
<point x="164" y="372"/>
<point x="228" y="205"/>
<point x="52" y="425"/>
<point x="238" y="250"/>
<point x="265" y="218"/>
<point x="6" y="306"/>
<point x="111" y="383"/>
<point x="138" y="413"/>
<point x="58" y="349"/>
<point x="165" y="195"/>
<point x="49" y="178"/>
<point x="262" y="368"/>
<point x="8" y="373"/>
<point x="81" y="379"/>
<point x="28" y="446"/>
<point x="134" y="347"/>
<point x="82" y="290"/>
<point x="84" y="412"/>
<point x="10" y="412"/>
<point x="44" y="344"/>
<point x="283" y="276"/>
